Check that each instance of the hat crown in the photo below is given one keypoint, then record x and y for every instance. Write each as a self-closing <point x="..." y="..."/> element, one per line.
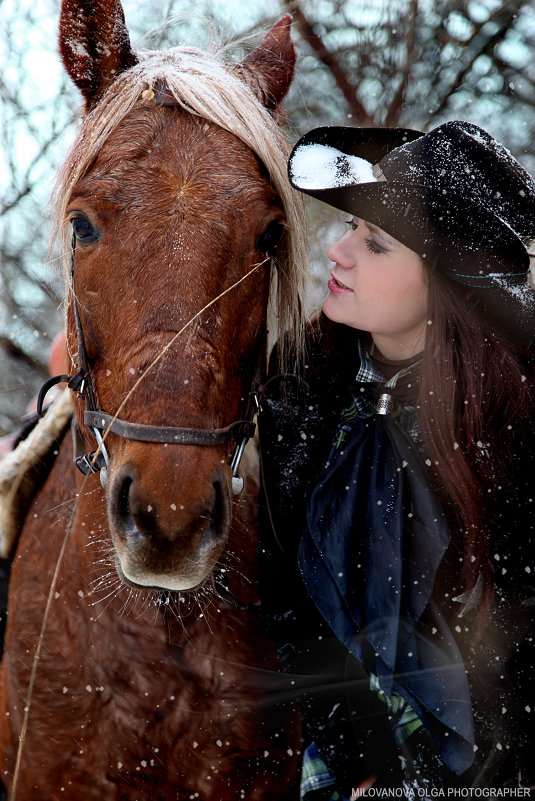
<point x="459" y="159"/>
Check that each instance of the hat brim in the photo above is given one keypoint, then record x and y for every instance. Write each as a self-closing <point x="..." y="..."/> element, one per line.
<point x="403" y="211"/>
<point x="372" y="144"/>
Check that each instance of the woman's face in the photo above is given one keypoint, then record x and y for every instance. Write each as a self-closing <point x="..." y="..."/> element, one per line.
<point x="378" y="285"/>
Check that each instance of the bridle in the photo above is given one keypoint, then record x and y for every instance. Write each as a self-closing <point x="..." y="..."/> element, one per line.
<point x="100" y="423"/>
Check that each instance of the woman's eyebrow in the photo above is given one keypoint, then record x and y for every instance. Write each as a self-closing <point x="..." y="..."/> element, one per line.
<point x="375" y="230"/>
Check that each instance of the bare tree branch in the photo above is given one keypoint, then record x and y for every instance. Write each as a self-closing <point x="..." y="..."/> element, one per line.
<point x="486" y="48"/>
<point x="396" y="106"/>
<point x="14" y="351"/>
<point x="14" y="201"/>
<point x="348" y="89"/>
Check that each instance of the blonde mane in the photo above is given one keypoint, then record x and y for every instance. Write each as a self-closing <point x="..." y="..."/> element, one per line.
<point x="204" y="86"/>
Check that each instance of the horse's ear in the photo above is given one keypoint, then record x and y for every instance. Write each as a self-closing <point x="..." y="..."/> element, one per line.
<point x="94" y="45"/>
<point x="269" y="69"/>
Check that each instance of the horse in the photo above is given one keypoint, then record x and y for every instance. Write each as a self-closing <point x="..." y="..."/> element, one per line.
<point x="136" y="664"/>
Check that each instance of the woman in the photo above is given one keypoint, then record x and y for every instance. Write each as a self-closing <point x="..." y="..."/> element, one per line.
<point x="397" y="536"/>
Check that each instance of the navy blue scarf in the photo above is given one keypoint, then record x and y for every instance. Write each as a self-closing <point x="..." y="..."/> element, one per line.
<point x="369" y="556"/>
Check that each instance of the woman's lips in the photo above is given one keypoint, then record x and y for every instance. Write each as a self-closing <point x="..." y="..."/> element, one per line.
<point x="337" y="287"/>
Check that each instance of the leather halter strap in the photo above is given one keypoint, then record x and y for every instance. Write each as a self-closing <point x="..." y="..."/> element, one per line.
<point x="180" y="436"/>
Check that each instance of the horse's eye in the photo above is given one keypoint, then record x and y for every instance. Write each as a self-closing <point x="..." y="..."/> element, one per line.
<point x="268" y="241"/>
<point x="84" y="231"/>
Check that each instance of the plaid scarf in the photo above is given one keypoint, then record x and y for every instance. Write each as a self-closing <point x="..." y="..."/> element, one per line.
<point x="364" y="400"/>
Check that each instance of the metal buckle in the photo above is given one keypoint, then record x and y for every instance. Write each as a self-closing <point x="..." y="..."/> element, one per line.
<point x="85" y="463"/>
<point x="258" y="398"/>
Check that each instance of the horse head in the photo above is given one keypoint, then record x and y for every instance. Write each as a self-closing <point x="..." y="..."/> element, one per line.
<point x="176" y="223"/>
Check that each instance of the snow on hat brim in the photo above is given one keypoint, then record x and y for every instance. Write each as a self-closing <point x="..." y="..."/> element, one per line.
<point x="371" y="144"/>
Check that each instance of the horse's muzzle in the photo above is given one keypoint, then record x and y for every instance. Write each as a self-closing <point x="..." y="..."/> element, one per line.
<point x="168" y="536"/>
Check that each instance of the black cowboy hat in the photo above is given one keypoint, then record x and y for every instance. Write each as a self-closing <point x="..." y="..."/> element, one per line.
<point x="455" y="196"/>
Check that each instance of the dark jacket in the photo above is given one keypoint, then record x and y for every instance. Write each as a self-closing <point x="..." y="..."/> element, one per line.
<point x="348" y="722"/>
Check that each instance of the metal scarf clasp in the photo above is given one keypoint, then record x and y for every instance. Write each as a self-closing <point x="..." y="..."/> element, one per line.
<point x="385" y="403"/>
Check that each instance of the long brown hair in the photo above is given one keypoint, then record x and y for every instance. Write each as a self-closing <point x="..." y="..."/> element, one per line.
<point x="475" y="388"/>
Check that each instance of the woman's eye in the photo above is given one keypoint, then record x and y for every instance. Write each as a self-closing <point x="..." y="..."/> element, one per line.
<point x="84" y="231"/>
<point x="353" y="223"/>
<point x="373" y="247"/>
<point x="268" y="241"/>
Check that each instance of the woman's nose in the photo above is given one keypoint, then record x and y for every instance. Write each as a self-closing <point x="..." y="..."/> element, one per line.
<point x="340" y="253"/>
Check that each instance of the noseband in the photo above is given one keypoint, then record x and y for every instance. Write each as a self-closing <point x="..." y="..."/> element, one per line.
<point x="100" y="423"/>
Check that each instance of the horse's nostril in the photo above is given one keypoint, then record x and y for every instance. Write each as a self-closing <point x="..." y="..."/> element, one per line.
<point x="217" y="511"/>
<point x="135" y="517"/>
<point x="218" y="518"/>
<point x="123" y="499"/>
<point x="120" y="502"/>
<point x="220" y="513"/>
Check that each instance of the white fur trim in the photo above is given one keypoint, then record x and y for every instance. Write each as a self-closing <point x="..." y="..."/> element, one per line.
<point x="17" y="465"/>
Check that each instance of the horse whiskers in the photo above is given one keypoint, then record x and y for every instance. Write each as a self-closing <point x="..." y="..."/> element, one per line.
<point x="199" y="594"/>
<point x="112" y="584"/>
<point x="168" y="608"/>
<point x="100" y="614"/>
<point x="74" y="500"/>
<point x="111" y="594"/>
<point x="103" y="578"/>
<point x="234" y="570"/>
<point x="106" y="561"/>
<point x="103" y="585"/>
<point x="137" y="598"/>
<point x="106" y="576"/>
<point x="109" y="589"/>
<point x="146" y="608"/>
<point x="99" y="533"/>
<point x="131" y="599"/>
<point x="174" y="606"/>
<point x="184" y="604"/>
<point x="96" y="584"/>
<point x="103" y="552"/>
<point x="105" y="581"/>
